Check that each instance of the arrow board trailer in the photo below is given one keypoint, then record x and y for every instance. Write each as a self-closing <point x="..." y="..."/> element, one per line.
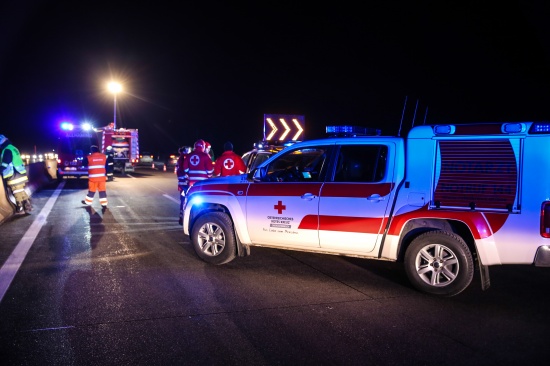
<point x="283" y="127"/>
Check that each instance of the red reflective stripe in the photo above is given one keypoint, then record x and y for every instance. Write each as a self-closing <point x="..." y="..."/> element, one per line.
<point x="366" y="225"/>
<point x="482" y="225"/>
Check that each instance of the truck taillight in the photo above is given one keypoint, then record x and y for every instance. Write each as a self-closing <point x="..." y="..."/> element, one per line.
<point x="545" y="219"/>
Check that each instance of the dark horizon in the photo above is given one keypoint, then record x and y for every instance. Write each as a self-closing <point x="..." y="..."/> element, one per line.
<point x="212" y="71"/>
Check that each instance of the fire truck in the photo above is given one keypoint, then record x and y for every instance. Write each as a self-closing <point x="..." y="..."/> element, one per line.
<point x="73" y="146"/>
<point x="75" y="141"/>
<point x="445" y="201"/>
<point x="125" y="144"/>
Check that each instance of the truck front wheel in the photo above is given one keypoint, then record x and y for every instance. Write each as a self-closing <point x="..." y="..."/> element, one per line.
<point x="439" y="263"/>
<point x="213" y="238"/>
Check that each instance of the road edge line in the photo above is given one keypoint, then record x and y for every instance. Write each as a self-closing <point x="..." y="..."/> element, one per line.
<point x="13" y="263"/>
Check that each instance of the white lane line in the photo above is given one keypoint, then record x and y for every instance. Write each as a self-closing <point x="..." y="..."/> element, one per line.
<point x="171" y="198"/>
<point x="12" y="264"/>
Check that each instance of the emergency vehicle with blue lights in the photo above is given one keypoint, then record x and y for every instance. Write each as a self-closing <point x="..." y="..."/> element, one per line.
<point x="75" y="140"/>
<point x="445" y="201"/>
<point x="73" y="146"/>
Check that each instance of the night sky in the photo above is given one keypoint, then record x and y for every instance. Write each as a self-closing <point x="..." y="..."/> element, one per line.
<point x="212" y="69"/>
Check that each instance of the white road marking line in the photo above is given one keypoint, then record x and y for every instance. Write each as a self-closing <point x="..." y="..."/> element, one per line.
<point x="13" y="263"/>
<point x="171" y="198"/>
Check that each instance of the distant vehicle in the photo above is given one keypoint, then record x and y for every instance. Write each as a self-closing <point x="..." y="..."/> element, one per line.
<point x="146" y="158"/>
<point x="73" y="146"/>
<point x="125" y="144"/>
<point x="74" y="142"/>
<point x="172" y="160"/>
<point x="262" y="151"/>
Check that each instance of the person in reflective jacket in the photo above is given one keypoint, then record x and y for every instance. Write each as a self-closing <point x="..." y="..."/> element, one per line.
<point x="14" y="174"/>
<point x="197" y="166"/>
<point x="229" y="163"/>
<point x="96" y="162"/>
<point x="110" y="163"/>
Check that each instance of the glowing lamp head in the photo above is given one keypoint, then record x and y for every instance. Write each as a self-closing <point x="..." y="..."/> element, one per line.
<point x="114" y="87"/>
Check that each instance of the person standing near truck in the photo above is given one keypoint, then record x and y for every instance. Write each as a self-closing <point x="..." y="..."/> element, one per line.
<point x="180" y="173"/>
<point x="110" y="167"/>
<point x="182" y="177"/>
<point x="15" y="175"/>
<point x="197" y="166"/>
<point x="229" y="163"/>
<point x="96" y="162"/>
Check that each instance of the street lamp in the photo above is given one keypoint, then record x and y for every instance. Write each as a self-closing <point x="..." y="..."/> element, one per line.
<point x="114" y="88"/>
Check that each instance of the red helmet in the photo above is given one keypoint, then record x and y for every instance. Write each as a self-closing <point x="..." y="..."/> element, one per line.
<point x="200" y="145"/>
<point x="207" y="145"/>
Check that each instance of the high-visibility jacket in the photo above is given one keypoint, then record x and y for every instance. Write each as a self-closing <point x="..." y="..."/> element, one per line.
<point x="16" y="163"/>
<point x="180" y="172"/>
<point x="198" y="166"/>
<point x="96" y="167"/>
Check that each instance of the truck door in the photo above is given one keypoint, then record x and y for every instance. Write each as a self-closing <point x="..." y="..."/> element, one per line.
<point x="354" y="203"/>
<point x="282" y="208"/>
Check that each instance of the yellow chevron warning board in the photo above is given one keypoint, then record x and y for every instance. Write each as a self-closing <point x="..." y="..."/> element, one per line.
<point x="284" y="127"/>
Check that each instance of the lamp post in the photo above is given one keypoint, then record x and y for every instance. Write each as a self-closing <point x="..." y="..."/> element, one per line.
<point x="114" y="88"/>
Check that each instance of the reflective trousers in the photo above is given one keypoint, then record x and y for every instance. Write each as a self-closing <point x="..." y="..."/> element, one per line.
<point x="92" y="188"/>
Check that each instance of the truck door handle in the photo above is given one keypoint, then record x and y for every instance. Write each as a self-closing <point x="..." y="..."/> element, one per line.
<point x="308" y="196"/>
<point x="375" y="197"/>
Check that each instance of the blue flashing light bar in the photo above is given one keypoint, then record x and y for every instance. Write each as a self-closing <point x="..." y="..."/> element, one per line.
<point x="346" y="130"/>
<point x="540" y="128"/>
<point x="67" y="126"/>
<point x="513" y="128"/>
<point x="444" y="129"/>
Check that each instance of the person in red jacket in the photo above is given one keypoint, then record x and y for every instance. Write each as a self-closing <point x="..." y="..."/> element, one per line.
<point x="97" y="178"/>
<point x="197" y="166"/>
<point x="180" y="173"/>
<point x="229" y="163"/>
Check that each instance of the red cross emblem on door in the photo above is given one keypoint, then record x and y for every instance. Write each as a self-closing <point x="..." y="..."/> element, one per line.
<point x="280" y="207"/>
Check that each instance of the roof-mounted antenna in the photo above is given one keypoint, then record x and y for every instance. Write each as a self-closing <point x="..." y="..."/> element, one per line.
<point x="414" y="116"/>
<point x="425" y="115"/>
<point x="402" y="115"/>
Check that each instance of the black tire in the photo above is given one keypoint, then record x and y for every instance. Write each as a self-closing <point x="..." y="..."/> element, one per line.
<point x="213" y="238"/>
<point x="439" y="263"/>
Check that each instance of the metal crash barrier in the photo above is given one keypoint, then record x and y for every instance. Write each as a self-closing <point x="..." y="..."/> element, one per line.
<point x="39" y="174"/>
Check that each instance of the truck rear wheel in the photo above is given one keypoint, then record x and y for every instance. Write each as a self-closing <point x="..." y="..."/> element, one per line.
<point x="439" y="263"/>
<point x="213" y="238"/>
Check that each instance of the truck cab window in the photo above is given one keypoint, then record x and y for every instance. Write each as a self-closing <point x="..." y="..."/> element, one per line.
<point x="301" y="165"/>
<point x="361" y="163"/>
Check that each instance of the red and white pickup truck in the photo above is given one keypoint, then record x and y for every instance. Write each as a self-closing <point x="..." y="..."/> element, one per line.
<point x="443" y="200"/>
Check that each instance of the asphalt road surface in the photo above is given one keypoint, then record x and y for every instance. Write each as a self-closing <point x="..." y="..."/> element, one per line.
<point x="124" y="287"/>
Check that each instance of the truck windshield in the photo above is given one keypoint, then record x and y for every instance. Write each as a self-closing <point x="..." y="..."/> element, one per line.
<point x="76" y="145"/>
